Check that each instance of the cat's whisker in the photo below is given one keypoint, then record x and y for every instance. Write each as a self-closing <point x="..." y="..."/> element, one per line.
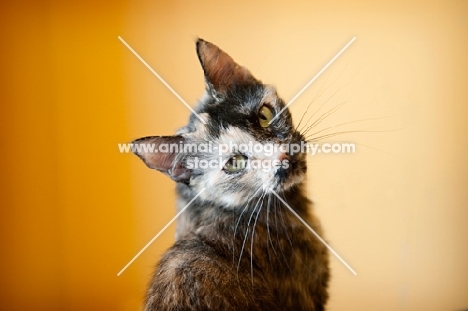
<point x="351" y="122"/>
<point x="329" y="98"/>
<point x="246" y="234"/>
<point x="268" y="228"/>
<point x="326" y="102"/>
<point x="319" y="93"/>
<point x="245" y="208"/>
<point x="319" y="108"/>
<point x="367" y="146"/>
<point x="319" y="138"/>
<point x="253" y="236"/>
<point x="323" y="117"/>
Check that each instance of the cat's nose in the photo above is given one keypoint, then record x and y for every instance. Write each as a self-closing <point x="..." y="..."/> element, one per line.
<point x="283" y="156"/>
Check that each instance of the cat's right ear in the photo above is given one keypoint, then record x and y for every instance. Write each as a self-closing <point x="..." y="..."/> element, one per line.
<point x="160" y="153"/>
<point x="222" y="73"/>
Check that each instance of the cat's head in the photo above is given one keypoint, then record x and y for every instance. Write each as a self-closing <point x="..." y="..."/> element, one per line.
<point x="243" y="146"/>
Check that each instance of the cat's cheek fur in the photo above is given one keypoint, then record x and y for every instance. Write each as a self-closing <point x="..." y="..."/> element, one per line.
<point x="236" y="189"/>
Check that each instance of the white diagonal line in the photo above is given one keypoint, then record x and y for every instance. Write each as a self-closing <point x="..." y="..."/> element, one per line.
<point x="315" y="233"/>
<point x="162" y="80"/>
<point x="160" y="232"/>
<point x="313" y="79"/>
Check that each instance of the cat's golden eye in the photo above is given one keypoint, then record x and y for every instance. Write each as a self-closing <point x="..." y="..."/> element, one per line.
<point x="236" y="164"/>
<point x="264" y="116"/>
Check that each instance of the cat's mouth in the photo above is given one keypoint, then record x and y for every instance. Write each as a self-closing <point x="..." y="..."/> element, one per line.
<point x="291" y="175"/>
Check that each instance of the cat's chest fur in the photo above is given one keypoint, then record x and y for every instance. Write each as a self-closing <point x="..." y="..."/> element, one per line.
<point x="263" y="247"/>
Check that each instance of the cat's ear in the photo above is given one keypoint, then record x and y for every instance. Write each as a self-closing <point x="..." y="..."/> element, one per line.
<point x="222" y="74"/>
<point x="160" y="153"/>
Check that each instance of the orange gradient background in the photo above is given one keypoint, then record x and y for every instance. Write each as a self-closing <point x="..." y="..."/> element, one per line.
<point x="75" y="210"/>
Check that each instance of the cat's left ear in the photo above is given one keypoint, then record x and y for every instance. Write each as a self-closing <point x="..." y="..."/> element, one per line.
<point x="160" y="153"/>
<point x="222" y="73"/>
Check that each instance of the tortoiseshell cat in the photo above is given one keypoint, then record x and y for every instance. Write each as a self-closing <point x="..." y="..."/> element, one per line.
<point x="237" y="246"/>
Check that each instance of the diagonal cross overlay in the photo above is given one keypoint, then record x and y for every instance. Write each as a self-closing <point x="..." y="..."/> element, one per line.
<point x="204" y="122"/>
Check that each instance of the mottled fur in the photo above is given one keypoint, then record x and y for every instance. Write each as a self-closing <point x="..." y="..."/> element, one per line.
<point x="237" y="246"/>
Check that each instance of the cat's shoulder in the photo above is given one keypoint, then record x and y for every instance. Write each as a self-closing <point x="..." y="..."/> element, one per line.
<point x="193" y="276"/>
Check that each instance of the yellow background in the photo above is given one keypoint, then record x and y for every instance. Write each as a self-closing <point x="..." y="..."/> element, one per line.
<point x="75" y="210"/>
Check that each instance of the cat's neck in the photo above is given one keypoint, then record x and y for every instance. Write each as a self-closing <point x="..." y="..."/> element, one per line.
<point x="263" y="211"/>
<point x="267" y="234"/>
<point x="295" y="197"/>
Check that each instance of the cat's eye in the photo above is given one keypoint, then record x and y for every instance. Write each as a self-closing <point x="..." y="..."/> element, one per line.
<point x="236" y="164"/>
<point x="264" y="116"/>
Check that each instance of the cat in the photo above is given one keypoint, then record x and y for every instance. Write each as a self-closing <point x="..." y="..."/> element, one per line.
<point x="237" y="246"/>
